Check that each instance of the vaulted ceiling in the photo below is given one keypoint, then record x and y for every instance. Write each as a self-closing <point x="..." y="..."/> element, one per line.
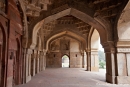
<point x="108" y="9"/>
<point x="69" y="23"/>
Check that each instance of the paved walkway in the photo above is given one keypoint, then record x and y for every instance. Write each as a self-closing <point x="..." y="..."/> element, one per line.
<point x="69" y="77"/>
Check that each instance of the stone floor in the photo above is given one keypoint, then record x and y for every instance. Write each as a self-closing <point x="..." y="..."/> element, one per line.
<point x="70" y="77"/>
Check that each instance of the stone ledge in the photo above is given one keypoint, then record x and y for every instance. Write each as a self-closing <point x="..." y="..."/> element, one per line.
<point x="123" y="79"/>
<point x="28" y="78"/>
<point x="123" y="44"/>
<point x="95" y="69"/>
<point x="123" y="50"/>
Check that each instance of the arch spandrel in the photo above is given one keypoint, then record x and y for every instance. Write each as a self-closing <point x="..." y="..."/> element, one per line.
<point x="123" y="26"/>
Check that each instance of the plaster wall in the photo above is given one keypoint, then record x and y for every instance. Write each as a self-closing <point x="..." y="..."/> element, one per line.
<point x="54" y="57"/>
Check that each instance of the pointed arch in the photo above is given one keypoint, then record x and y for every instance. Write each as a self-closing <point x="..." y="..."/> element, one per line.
<point x="73" y="12"/>
<point x="61" y="33"/>
<point x="123" y="25"/>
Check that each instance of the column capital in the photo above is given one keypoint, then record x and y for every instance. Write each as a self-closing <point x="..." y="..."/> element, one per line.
<point x="44" y="51"/>
<point x="29" y="51"/>
<point x="35" y="51"/>
<point x="109" y="47"/>
<point x="87" y="50"/>
<point x="110" y="44"/>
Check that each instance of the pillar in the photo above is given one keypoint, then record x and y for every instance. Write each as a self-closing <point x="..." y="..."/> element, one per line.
<point x="44" y="60"/>
<point x="37" y="62"/>
<point x="88" y="53"/>
<point x="110" y="55"/>
<point x="117" y="62"/>
<point x="27" y="67"/>
<point x="85" y="60"/>
<point x="23" y="68"/>
<point x="94" y="60"/>
<point x="123" y="62"/>
<point x="82" y="60"/>
<point x="33" y="62"/>
<point x="40" y="61"/>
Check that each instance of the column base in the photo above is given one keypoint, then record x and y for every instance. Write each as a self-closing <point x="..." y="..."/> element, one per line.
<point x="44" y="68"/>
<point x="33" y="74"/>
<point x="110" y="79"/>
<point x="9" y="81"/>
<point x="28" y="78"/>
<point x="84" y="66"/>
<point x="88" y="68"/>
<point x="95" y="69"/>
<point x="118" y="79"/>
<point x="123" y="79"/>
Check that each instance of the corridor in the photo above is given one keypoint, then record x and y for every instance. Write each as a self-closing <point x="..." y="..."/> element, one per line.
<point x="70" y="77"/>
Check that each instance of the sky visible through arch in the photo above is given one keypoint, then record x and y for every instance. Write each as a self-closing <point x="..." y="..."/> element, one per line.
<point x="100" y="46"/>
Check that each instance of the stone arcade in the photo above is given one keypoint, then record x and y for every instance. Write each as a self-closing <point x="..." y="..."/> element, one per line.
<point x="35" y="34"/>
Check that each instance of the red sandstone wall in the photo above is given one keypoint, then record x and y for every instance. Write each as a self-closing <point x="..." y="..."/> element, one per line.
<point x="4" y="26"/>
<point x="54" y="58"/>
<point x="15" y="32"/>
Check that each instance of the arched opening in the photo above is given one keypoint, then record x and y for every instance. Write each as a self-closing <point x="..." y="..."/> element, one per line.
<point x="99" y="27"/>
<point x="98" y="61"/>
<point x="68" y="12"/>
<point x="16" y="64"/>
<point x="3" y="45"/>
<point x="102" y="60"/>
<point x="65" y="61"/>
<point x="61" y="45"/>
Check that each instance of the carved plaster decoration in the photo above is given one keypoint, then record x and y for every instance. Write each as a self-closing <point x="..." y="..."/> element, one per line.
<point x="55" y="46"/>
<point x="123" y="50"/>
<point x="36" y="10"/>
<point x="2" y="5"/>
<point x="34" y="7"/>
<point x="65" y="44"/>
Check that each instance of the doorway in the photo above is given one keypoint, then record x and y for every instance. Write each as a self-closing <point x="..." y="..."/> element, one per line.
<point x="65" y="61"/>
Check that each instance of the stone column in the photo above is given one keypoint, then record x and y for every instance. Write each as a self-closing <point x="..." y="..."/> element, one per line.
<point x="94" y="60"/>
<point x="88" y="53"/>
<point x="85" y="60"/>
<point x="37" y="62"/>
<point x="33" y="62"/>
<point x="44" y="66"/>
<point x="110" y="54"/>
<point x="82" y="60"/>
<point x="28" y="65"/>
<point x="41" y="61"/>
<point x="24" y="66"/>
<point x="123" y="62"/>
